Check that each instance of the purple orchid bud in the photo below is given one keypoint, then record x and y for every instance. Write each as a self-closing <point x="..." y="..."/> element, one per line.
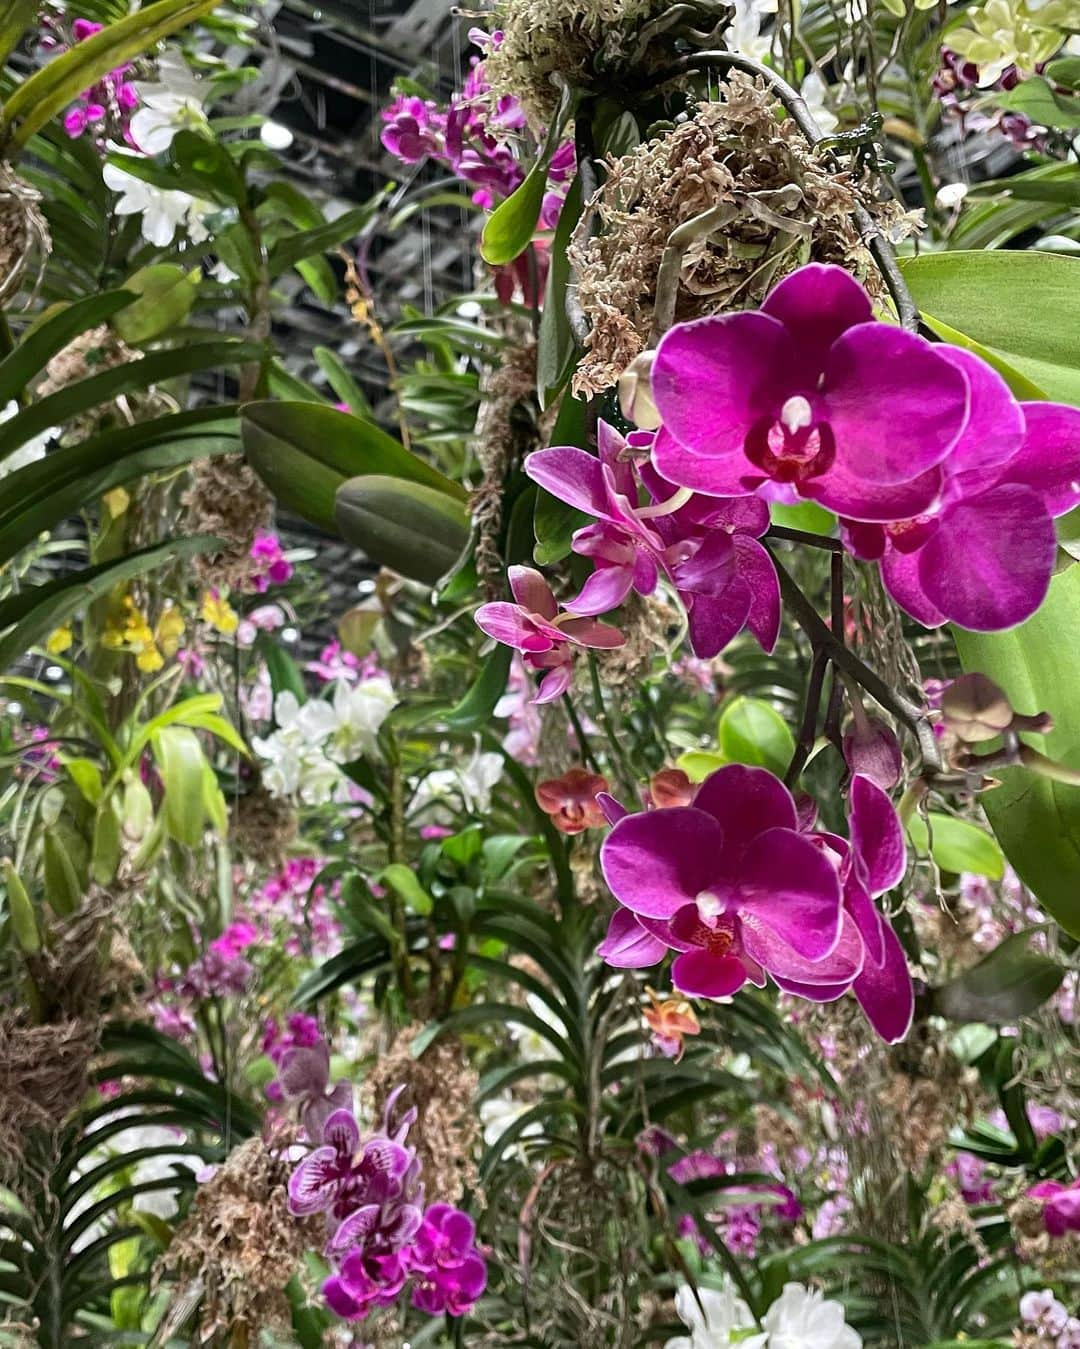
<point x="872" y="749"/>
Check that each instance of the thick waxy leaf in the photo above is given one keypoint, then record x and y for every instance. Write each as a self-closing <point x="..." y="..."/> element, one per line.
<point x="289" y="251"/>
<point x="1021" y="305"/>
<point x="1036" y="820"/>
<point x="410" y="528"/>
<point x="1012" y="981"/>
<point x="45" y="492"/>
<point x="478" y="704"/>
<point x="957" y="845"/>
<point x="51" y="333"/>
<point x="510" y="226"/>
<point x="182" y="767"/>
<point x="751" y="731"/>
<point x="84" y="394"/>
<point x="165" y="293"/>
<point x="304" y="452"/>
<point x="38" y="99"/>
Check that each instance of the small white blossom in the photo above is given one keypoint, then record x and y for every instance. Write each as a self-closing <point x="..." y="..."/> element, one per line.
<point x="163" y="210"/>
<point x="813" y="94"/>
<point x="174" y="102"/>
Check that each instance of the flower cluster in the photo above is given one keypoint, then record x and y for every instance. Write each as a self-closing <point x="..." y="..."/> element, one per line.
<point x="313" y="740"/>
<point x="129" y="629"/>
<point x="545" y="637"/>
<point x="381" y="1239"/>
<point x="105" y="107"/>
<point x="957" y="88"/>
<point x="740" y="889"/>
<point x="272" y="567"/>
<point x="1042" y="1314"/>
<point x="473" y="137"/>
<point x="956" y="503"/>
<point x="800" y="1318"/>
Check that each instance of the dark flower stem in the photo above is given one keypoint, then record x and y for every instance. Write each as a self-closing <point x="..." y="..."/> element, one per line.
<point x="879" y="247"/>
<point x="821" y="637"/>
<point x="588" y="758"/>
<point x="822" y="541"/>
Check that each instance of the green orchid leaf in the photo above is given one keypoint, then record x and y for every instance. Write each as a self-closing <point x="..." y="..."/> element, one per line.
<point x="38" y="99"/>
<point x="166" y="294"/>
<point x="406" y="526"/>
<point x="511" y="225"/>
<point x="957" y="845"/>
<point x="1037" y="820"/>
<point x="27" y="618"/>
<point x="1019" y="305"/>
<point x="1011" y="982"/>
<point x="751" y="731"/>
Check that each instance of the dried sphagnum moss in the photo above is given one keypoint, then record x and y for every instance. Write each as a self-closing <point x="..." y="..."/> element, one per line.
<point x="737" y="152"/>
<point x="573" y="38"/>
<point x="238" y="1247"/>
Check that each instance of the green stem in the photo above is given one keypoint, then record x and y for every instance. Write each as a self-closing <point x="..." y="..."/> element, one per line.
<point x="622" y="765"/>
<point x="588" y="758"/>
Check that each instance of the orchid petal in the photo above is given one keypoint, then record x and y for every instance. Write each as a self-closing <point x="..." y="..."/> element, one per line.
<point x="586" y="632"/>
<point x="745" y="801"/>
<point x="605" y="589"/>
<point x="702" y="974"/>
<point x="511" y="625"/>
<point x="714" y="378"/>
<point x="995" y="424"/>
<point x="787" y="885"/>
<point x="989" y="565"/>
<point x="730" y="475"/>
<point x="657" y="861"/>
<point x="875" y="372"/>
<point x="627" y="945"/>
<point x="885" y="992"/>
<point x="554" y="684"/>
<point x="757" y="569"/>
<point x="900" y="573"/>
<point x="532" y="592"/>
<point x="572" y="476"/>
<point x="714" y="621"/>
<point x="1049" y="458"/>
<point x="877" y="837"/>
<point x="816" y="304"/>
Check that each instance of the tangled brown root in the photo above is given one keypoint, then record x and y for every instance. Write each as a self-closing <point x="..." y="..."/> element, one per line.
<point x="23" y="231"/>
<point x="441" y="1084"/>
<point x="785" y="207"/>
<point x="237" y="1249"/>
<point x="43" y="1077"/>
<point x="506" y="430"/>
<point x="572" y="38"/>
<point x="226" y="499"/>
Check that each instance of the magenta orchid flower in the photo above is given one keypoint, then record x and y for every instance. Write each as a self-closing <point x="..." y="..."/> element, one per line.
<point x="982" y="555"/>
<point x="707" y="547"/>
<point x="544" y="636"/>
<point x="791" y="401"/>
<point x="1061" y="1205"/>
<point x="450" y="1273"/>
<point x="341" y="1177"/>
<point x="731" y="885"/>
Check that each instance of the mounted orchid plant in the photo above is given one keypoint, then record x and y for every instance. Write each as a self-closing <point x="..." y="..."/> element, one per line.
<point x="644" y="911"/>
